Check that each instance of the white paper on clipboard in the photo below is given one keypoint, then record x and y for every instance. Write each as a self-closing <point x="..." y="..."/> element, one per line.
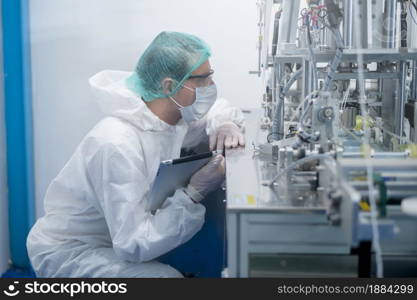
<point x="170" y="178"/>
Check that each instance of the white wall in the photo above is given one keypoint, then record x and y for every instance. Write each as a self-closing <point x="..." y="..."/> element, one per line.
<point x="4" y="226"/>
<point x="73" y="39"/>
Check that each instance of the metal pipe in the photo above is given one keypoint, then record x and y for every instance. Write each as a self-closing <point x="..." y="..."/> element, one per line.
<point x="390" y="23"/>
<point x="377" y="155"/>
<point x="412" y="29"/>
<point x="355" y="16"/>
<point x="378" y="165"/>
<point x="276" y="32"/>
<point x="415" y="121"/>
<point x="348" y="23"/>
<point x="277" y="96"/>
<point x="400" y="176"/>
<point x="392" y="194"/>
<point x="414" y="84"/>
<point x="360" y="15"/>
<point x="395" y="190"/>
<point x="289" y="19"/>
<point x="401" y="99"/>
<point x="377" y="22"/>
<point x="414" y="97"/>
<point x="391" y="185"/>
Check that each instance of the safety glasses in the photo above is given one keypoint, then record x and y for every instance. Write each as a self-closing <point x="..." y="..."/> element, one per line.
<point x="202" y="79"/>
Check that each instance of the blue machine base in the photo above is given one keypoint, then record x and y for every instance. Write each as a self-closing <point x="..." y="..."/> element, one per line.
<point x="19" y="273"/>
<point x="204" y="254"/>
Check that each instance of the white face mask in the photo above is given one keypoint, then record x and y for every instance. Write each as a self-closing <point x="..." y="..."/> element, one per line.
<point x="205" y="98"/>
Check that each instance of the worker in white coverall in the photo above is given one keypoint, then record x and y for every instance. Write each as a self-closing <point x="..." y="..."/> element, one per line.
<point x="96" y="224"/>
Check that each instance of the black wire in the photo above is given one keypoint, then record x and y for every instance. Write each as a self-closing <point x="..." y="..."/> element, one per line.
<point x="411" y="12"/>
<point x="414" y="5"/>
<point x="268" y="138"/>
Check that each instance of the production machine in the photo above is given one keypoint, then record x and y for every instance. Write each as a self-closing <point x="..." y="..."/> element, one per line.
<point x="327" y="184"/>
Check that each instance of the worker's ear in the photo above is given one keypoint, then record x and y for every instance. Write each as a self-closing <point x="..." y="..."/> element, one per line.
<point x="167" y="85"/>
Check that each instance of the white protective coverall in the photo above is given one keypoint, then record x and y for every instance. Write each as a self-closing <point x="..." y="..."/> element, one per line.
<point x="96" y="224"/>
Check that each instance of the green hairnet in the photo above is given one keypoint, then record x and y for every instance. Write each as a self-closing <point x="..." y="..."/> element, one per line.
<point x="171" y="54"/>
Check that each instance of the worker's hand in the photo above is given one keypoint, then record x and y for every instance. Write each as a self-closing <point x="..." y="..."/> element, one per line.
<point x="227" y="136"/>
<point x="207" y="179"/>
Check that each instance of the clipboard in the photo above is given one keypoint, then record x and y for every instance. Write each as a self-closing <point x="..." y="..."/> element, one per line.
<point x="174" y="174"/>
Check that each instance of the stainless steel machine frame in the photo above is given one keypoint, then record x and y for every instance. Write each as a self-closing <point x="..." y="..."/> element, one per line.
<point x="330" y="155"/>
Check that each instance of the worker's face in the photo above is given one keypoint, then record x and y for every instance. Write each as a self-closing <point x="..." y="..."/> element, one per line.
<point x="199" y="78"/>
